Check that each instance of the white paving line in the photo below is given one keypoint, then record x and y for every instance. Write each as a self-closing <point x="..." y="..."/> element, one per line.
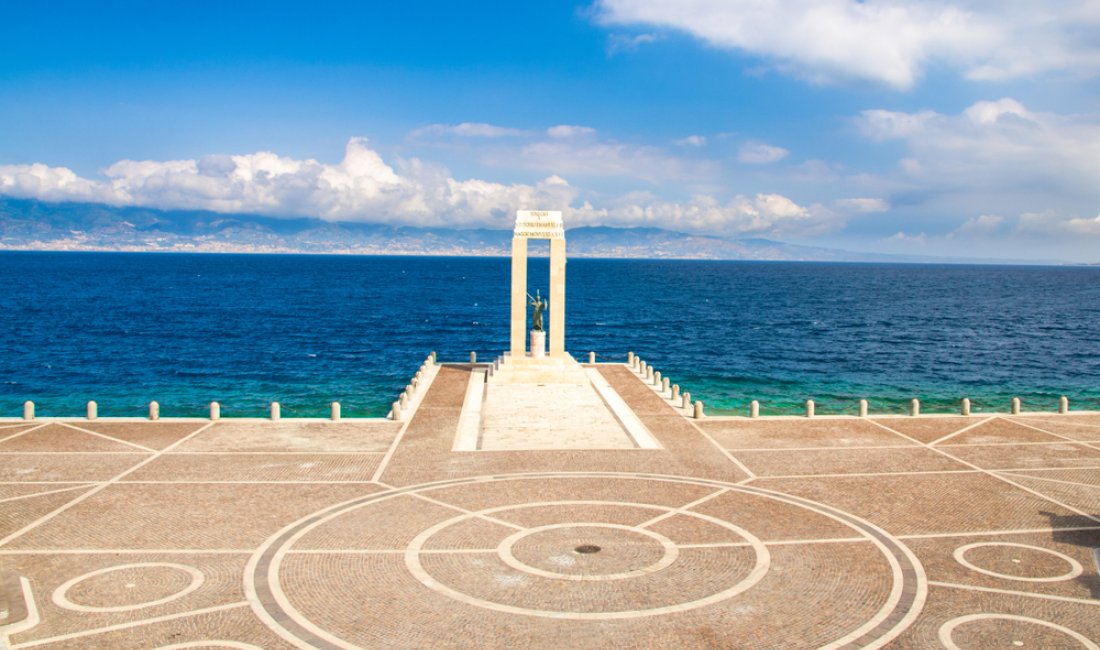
<point x="131" y="551"/>
<point x="1007" y="531"/>
<point x="352" y="452"/>
<point x="1027" y="594"/>
<point x="468" y="435"/>
<point x="831" y="448"/>
<point x="98" y="488"/>
<point x="1021" y="474"/>
<point x="387" y="551"/>
<point x="126" y="626"/>
<point x="683" y="509"/>
<point x="994" y="475"/>
<point x="23" y="432"/>
<point x="426" y="382"/>
<point x="781" y="542"/>
<point x="962" y="430"/>
<point x="89" y="484"/>
<point x="635" y="428"/>
<point x="106" y="437"/>
<point x="725" y="452"/>
<point x="267" y="482"/>
<point x="471" y="513"/>
<point x="1056" y="435"/>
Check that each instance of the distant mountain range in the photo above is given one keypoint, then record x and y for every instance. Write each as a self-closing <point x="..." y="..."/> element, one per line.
<point x="36" y="225"/>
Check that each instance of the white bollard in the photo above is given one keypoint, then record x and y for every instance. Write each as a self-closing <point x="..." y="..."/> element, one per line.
<point x="698" y="414"/>
<point x="665" y="385"/>
<point x="810" y="407"/>
<point x="28" y="410"/>
<point x="473" y="357"/>
<point x="966" y="406"/>
<point x="276" y="411"/>
<point x="1015" y="405"/>
<point x="686" y="400"/>
<point x="754" y="409"/>
<point x="634" y="365"/>
<point x="154" y="411"/>
<point x="409" y="390"/>
<point x="335" y="411"/>
<point x="1063" y="404"/>
<point x="642" y="367"/>
<point x="657" y="378"/>
<point x="415" y="383"/>
<point x="591" y="357"/>
<point x="403" y="400"/>
<point x="914" y="407"/>
<point x="630" y="359"/>
<point x="395" y="411"/>
<point x="93" y="410"/>
<point x="649" y="374"/>
<point x="675" y="392"/>
<point x="215" y="411"/>
<point x="432" y="357"/>
<point x="862" y="408"/>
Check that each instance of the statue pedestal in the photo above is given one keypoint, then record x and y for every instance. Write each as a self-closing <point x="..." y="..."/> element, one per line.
<point x="538" y="344"/>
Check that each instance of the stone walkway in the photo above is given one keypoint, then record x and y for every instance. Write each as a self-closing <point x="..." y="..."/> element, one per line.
<point x="904" y="532"/>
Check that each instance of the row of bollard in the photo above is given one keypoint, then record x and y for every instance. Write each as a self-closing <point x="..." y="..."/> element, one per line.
<point x="401" y="406"/>
<point x="914" y="407"/>
<point x="662" y="384"/>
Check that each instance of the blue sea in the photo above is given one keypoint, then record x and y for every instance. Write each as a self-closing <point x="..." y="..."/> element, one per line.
<point x="245" y="330"/>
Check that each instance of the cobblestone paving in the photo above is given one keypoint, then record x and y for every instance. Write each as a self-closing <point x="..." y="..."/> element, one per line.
<point x="957" y="532"/>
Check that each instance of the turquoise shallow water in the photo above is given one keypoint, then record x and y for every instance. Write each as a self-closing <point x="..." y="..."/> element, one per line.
<point x="126" y="328"/>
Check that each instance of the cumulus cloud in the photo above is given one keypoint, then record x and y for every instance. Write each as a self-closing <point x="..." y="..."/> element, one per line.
<point x="759" y="153"/>
<point x="760" y="214"/>
<point x="885" y="41"/>
<point x="362" y="186"/>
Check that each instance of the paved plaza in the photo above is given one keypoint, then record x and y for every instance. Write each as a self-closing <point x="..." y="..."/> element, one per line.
<point x="459" y="527"/>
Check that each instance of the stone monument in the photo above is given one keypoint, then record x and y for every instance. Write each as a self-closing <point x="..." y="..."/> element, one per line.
<point x="539" y="365"/>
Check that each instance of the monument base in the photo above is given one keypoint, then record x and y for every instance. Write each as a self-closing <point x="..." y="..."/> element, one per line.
<point x="538" y="344"/>
<point x="530" y="369"/>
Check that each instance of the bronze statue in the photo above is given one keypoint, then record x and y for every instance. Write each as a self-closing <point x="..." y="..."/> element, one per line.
<point x="540" y="306"/>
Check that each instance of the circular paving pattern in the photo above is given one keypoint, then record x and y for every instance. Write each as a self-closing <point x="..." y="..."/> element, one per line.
<point x="592" y="548"/>
<point x="138" y="586"/>
<point x="1022" y="562"/>
<point x="1007" y="631"/>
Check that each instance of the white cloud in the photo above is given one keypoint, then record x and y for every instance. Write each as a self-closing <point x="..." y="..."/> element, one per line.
<point x="691" y="141"/>
<point x="565" y="131"/>
<point x="980" y="226"/>
<point x="761" y="214"/>
<point x="863" y="205"/>
<point x="759" y="153"/>
<point x="885" y="41"/>
<point x="469" y="130"/>
<point x="998" y="152"/>
<point x="362" y="186"/>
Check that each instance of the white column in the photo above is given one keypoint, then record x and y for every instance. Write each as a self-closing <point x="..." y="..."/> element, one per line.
<point x="557" y="297"/>
<point x="519" y="297"/>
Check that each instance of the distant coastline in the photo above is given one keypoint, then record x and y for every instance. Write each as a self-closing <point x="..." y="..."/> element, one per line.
<point x="30" y="225"/>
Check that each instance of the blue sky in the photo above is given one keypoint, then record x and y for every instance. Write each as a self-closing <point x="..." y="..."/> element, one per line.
<point x="961" y="127"/>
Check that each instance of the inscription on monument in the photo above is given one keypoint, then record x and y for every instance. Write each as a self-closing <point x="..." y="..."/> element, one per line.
<point x="539" y="224"/>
